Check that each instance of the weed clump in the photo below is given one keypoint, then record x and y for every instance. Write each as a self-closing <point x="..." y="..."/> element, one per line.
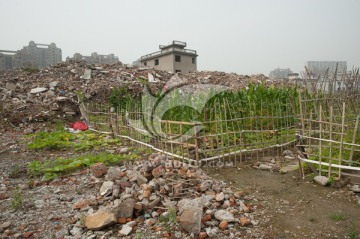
<point x="16" y="201"/>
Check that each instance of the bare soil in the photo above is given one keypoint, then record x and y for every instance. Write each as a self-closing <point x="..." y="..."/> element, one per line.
<point x="294" y="208"/>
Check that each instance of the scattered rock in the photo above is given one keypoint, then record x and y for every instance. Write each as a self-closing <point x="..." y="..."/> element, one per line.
<point x="288" y="168"/>
<point x="106" y="188"/>
<point x="265" y="167"/>
<point x="98" y="169"/>
<point x="39" y="203"/>
<point x="322" y="180"/>
<point x="126" y="208"/>
<point x="223" y="225"/>
<point x="355" y="188"/>
<point x="114" y="173"/>
<point x="38" y="90"/>
<point x="205" y="185"/>
<point x="244" y="222"/>
<point x="220" y="197"/>
<point x="223" y="215"/>
<point x="100" y="220"/>
<point x="190" y="220"/>
<point x="125" y="230"/>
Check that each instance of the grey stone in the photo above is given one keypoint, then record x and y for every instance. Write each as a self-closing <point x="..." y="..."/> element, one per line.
<point x="87" y="74"/>
<point x="10" y="86"/>
<point x="220" y="197"/>
<point x="265" y="167"/>
<point x="126" y="208"/>
<point x="355" y="188"/>
<point x="53" y="84"/>
<point x="211" y="232"/>
<point x="115" y="191"/>
<point x="60" y="98"/>
<point x="288" y="153"/>
<point x="141" y="179"/>
<point x="125" y="230"/>
<point x="124" y="150"/>
<point x="190" y="219"/>
<point x="131" y="224"/>
<point x="288" y="168"/>
<point x="322" y="180"/>
<point x="39" y="203"/>
<point x="38" y="90"/>
<point x="223" y="215"/>
<point x="4" y="226"/>
<point x="114" y="173"/>
<point x="106" y="188"/>
<point x="76" y="231"/>
<point x="205" y="185"/>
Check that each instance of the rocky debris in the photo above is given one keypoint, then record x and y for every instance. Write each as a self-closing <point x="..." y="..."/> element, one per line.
<point x="282" y="163"/>
<point x="355" y="188"/>
<point x="54" y="92"/>
<point x="158" y="193"/>
<point x="322" y="180"/>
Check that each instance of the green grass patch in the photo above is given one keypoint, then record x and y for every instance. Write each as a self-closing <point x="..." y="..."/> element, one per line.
<point x="51" y="169"/>
<point x="16" y="201"/>
<point x="336" y="217"/>
<point x="63" y="140"/>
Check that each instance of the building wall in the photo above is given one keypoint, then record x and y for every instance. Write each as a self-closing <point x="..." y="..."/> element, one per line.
<point x="166" y="63"/>
<point x="185" y="65"/>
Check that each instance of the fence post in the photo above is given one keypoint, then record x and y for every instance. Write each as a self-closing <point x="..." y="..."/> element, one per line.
<point x="196" y="129"/>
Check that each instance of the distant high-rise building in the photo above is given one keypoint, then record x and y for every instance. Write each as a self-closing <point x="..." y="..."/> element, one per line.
<point x="95" y="58"/>
<point x="320" y="67"/>
<point x="33" y="55"/>
<point x="279" y="74"/>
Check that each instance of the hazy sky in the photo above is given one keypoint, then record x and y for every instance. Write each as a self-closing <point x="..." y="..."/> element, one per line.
<point x="246" y="37"/>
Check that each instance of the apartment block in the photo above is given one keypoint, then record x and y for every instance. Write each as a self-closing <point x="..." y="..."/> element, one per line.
<point x="172" y="58"/>
<point x="279" y="74"/>
<point x="95" y="58"/>
<point x="320" y="67"/>
<point x="34" y="55"/>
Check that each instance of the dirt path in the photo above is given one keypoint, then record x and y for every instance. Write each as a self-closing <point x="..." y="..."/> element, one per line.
<point x="296" y="209"/>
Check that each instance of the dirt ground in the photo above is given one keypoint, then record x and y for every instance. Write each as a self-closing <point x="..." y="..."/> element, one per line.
<point x="293" y="208"/>
<point x="285" y="207"/>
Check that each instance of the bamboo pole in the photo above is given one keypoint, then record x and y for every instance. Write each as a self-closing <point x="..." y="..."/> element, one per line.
<point x="320" y="136"/>
<point x="342" y="137"/>
<point x="330" y="144"/>
<point x="354" y="138"/>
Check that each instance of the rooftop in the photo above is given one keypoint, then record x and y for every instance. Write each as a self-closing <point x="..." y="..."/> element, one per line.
<point x="174" y="47"/>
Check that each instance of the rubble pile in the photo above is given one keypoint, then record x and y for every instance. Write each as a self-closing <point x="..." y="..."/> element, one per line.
<point x="28" y="95"/>
<point x="162" y="197"/>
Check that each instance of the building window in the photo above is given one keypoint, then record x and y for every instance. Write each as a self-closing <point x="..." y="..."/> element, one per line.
<point x="177" y="58"/>
<point x="145" y="63"/>
<point x="176" y="71"/>
<point x="156" y="62"/>
<point x="193" y="60"/>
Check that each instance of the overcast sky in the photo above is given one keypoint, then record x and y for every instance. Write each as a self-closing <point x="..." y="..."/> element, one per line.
<point x="246" y="37"/>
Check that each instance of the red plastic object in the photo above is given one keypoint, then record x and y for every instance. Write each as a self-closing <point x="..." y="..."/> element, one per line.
<point x="79" y="125"/>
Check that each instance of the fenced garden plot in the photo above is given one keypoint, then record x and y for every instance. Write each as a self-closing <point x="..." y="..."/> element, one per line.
<point x="330" y="134"/>
<point x="238" y="125"/>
